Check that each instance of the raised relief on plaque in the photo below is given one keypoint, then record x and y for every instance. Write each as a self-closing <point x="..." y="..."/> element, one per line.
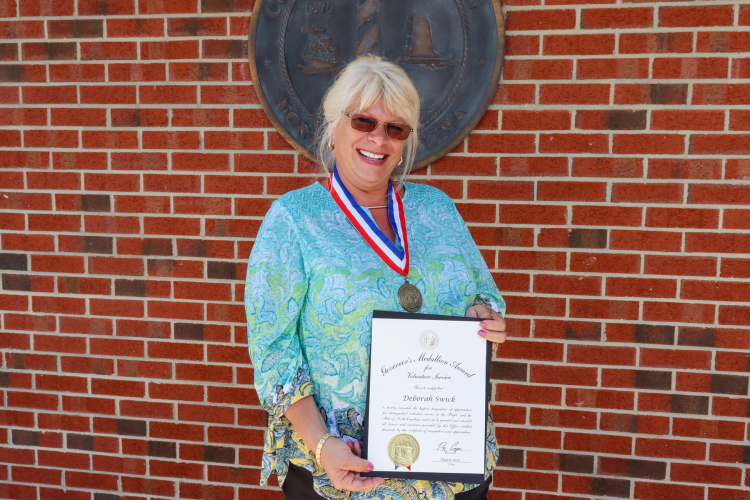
<point x="419" y="46"/>
<point x="451" y="49"/>
<point x="320" y="55"/>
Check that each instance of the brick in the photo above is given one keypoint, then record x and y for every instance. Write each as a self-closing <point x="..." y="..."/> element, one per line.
<point x="604" y="263"/>
<point x="528" y="480"/>
<point x="532" y="260"/>
<point x="533" y="166"/>
<point x="643" y="469"/>
<point x="739" y="119"/>
<point x="515" y="94"/>
<point x="113" y="307"/>
<point x="722" y="144"/>
<point x="693" y="68"/>
<point x="536" y="120"/>
<point x="22" y="116"/>
<point x="522" y="45"/>
<point x="502" y="190"/>
<point x="596" y="69"/>
<point x="673" y="311"/>
<point x="139" y="118"/>
<point x="708" y="429"/>
<point x="50" y="138"/>
<point x="694" y="473"/>
<point x="532" y="214"/>
<point x="573" y="143"/>
<point x="21" y="29"/>
<point x="111" y="7"/>
<point x="678" y="265"/>
<point x="648" y="144"/>
<point x="716" y="242"/>
<point x="604" y="309"/>
<point x="656" y="491"/>
<point x="706" y="15"/>
<point x="597" y="443"/>
<point x="537" y="69"/>
<point x="224" y="49"/>
<point x="200" y="161"/>
<point x="678" y="120"/>
<point x="717" y="194"/>
<point x="667" y="168"/>
<point x="728" y="453"/>
<point x="607" y="167"/>
<point x="721" y="94"/>
<point x="735" y="268"/>
<point x="715" y="291"/>
<point x="141" y="27"/>
<point x="196" y="26"/>
<point x="167" y="94"/>
<point x="563" y="375"/>
<point x="659" y="43"/>
<point x="562" y="93"/>
<point x="664" y="358"/>
<point x="667" y="448"/>
<point x="540" y="20"/>
<point x="574" y="285"/>
<point x="733" y="315"/>
<point x="578" y="44"/>
<point x="502" y="143"/>
<point x="740" y="68"/>
<point x="130" y="72"/>
<point x="617" y="18"/>
<point x="611" y="120"/>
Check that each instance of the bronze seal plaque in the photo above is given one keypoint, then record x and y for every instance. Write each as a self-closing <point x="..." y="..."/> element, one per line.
<point x="451" y="49"/>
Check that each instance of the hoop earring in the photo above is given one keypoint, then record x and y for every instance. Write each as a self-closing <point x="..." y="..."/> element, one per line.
<point x="400" y="162"/>
<point x="330" y="144"/>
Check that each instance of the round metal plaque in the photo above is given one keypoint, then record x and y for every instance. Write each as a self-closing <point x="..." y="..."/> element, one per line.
<point x="451" y="49"/>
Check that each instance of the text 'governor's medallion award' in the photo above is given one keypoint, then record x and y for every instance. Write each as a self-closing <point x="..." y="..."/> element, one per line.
<point x="451" y="49"/>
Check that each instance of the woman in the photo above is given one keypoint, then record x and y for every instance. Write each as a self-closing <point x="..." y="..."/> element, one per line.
<point x="324" y="258"/>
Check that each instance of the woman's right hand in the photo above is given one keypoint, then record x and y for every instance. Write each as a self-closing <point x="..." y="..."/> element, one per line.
<point x="343" y="465"/>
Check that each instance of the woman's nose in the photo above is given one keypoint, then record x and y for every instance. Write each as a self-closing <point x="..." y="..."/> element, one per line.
<point x="378" y="135"/>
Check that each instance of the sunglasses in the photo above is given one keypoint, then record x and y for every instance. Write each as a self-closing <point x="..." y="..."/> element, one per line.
<point x="364" y="123"/>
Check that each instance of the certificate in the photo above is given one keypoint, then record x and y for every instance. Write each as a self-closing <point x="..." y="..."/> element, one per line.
<point x="427" y="395"/>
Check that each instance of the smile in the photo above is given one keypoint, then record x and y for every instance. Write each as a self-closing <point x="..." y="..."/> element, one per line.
<point x="371" y="156"/>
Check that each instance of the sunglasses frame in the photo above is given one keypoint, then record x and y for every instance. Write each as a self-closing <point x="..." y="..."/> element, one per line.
<point x="377" y="123"/>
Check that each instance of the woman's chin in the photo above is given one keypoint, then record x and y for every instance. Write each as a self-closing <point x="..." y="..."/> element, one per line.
<point x="374" y="170"/>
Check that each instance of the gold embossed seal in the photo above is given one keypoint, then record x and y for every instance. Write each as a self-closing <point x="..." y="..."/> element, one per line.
<point x="403" y="450"/>
<point x="429" y="340"/>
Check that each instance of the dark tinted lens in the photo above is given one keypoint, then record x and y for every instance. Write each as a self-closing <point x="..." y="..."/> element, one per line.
<point x="363" y="123"/>
<point x="397" y="131"/>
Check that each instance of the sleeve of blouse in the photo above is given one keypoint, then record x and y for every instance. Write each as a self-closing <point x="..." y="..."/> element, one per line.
<point x="487" y="292"/>
<point x="275" y="291"/>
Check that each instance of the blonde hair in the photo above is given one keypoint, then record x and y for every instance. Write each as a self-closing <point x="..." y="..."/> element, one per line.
<point x="358" y="87"/>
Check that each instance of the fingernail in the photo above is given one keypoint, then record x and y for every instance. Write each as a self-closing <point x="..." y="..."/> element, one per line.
<point x="370" y="467"/>
<point x="483" y="324"/>
<point x="482" y="333"/>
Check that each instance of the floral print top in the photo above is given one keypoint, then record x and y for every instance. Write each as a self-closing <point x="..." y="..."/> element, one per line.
<point x="312" y="284"/>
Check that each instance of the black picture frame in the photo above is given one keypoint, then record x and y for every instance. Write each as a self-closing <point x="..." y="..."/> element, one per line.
<point x="428" y="476"/>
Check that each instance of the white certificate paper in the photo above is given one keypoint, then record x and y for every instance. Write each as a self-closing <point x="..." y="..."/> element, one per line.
<point x="427" y="400"/>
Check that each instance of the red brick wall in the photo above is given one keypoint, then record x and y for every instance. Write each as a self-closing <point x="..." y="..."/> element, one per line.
<point x="607" y="186"/>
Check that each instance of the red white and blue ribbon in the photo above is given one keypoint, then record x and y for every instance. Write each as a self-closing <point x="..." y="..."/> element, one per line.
<point x="397" y="259"/>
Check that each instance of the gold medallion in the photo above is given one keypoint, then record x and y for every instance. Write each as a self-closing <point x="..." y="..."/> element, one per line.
<point x="410" y="297"/>
<point x="403" y="450"/>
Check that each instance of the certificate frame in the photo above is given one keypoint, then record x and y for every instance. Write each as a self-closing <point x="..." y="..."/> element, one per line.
<point x="428" y="476"/>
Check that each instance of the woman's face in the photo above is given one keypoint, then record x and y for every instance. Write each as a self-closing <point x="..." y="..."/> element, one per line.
<point x="366" y="160"/>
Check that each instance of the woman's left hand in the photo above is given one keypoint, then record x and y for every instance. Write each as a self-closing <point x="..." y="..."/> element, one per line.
<point x="493" y="326"/>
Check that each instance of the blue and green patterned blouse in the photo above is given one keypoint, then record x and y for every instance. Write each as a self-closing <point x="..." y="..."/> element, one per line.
<point x="312" y="284"/>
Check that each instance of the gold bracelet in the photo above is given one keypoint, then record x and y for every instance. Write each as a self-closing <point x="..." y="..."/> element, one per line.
<point x="320" y="444"/>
